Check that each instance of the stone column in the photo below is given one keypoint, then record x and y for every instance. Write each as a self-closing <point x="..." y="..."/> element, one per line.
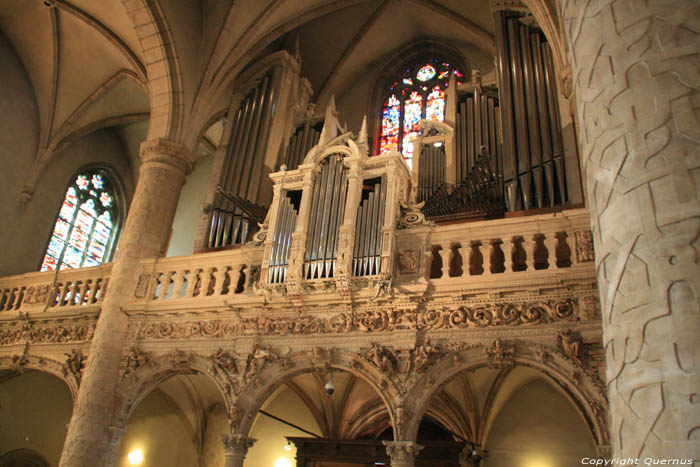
<point x="161" y="176"/>
<point x="402" y="453"/>
<point x="236" y="447"/>
<point x="637" y="91"/>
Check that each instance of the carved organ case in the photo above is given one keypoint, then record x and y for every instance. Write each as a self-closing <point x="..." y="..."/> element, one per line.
<point x="259" y="119"/>
<point x="334" y="216"/>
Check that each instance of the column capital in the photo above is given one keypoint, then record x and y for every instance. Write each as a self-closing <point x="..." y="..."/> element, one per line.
<point x="402" y="453"/>
<point x="166" y="152"/>
<point x="237" y="443"/>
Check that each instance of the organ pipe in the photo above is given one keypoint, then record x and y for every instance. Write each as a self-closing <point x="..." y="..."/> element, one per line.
<point x="243" y="162"/>
<point x="368" y="235"/>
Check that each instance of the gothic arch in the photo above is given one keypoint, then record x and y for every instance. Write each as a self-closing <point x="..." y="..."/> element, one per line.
<point x="137" y="385"/>
<point x="22" y="363"/>
<point x="587" y="392"/>
<point x="162" y="68"/>
<point x="261" y="386"/>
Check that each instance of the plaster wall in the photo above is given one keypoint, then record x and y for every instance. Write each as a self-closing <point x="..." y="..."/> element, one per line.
<point x="188" y="209"/>
<point x="537" y="426"/>
<point x="34" y="411"/>
<point x="32" y="224"/>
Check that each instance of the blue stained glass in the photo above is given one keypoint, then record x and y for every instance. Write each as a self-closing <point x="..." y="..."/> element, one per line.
<point x="55" y="246"/>
<point x="97" y="181"/>
<point x="72" y="257"/>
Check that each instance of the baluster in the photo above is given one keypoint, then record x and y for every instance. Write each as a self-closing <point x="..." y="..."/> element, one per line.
<point x="94" y="291"/>
<point x="103" y="289"/>
<point x="206" y="282"/>
<point x="446" y="254"/>
<point x="191" y="277"/>
<point x="74" y="293"/>
<point x="235" y="275"/>
<point x="507" y="247"/>
<point x="11" y="296"/>
<point x="219" y="277"/>
<point x="550" y="242"/>
<point x="486" y="253"/>
<point x="177" y="283"/>
<point x="3" y="299"/>
<point x="164" y="281"/>
<point x="85" y="286"/>
<point x="465" y="251"/>
<point x="530" y="247"/>
<point x="62" y="296"/>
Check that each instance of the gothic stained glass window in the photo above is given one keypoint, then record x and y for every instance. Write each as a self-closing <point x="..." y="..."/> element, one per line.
<point x="418" y="94"/>
<point x="85" y="228"/>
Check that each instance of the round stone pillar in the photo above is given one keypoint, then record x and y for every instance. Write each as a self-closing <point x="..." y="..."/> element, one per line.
<point x="402" y="453"/>
<point x="636" y="81"/>
<point x="236" y="447"/>
<point x="89" y="441"/>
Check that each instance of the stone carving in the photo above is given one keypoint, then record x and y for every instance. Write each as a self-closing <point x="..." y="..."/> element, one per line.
<point x="388" y="319"/>
<point x="19" y="361"/>
<point x="237" y="444"/>
<point x="44" y="335"/>
<point x="254" y="275"/>
<point x="383" y="288"/>
<point x="424" y="355"/>
<point x="571" y="346"/>
<point x="179" y="358"/>
<point x="499" y="352"/>
<point x="134" y="360"/>
<point x="142" y="286"/>
<point x="584" y="246"/>
<point x="223" y="360"/>
<point x="320" y="356"/>
<point x="37" y="294"/>
<point x="408" y="261"/>
<point x="75" y="362"/>
<point x="260" y="356"/>
<point x="411" y="216"/>
<point x="402" y="452"/>
<point x="384" y="358"/>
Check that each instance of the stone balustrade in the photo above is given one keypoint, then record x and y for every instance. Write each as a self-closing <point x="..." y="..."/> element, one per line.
<point x="461" y="254"/>
<point x="49" y="290"/>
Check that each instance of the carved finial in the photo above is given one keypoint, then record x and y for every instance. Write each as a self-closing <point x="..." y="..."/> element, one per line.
<point x="362" y="137"/>
<point x="330" y="124"/>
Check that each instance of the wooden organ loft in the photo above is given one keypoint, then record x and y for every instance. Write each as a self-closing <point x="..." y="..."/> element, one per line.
<point x="499" y="149"/>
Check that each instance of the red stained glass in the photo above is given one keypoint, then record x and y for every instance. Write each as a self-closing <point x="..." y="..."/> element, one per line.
<point x="82" y="182"/>
<point x="390" y="125"/>
<point x="435" y="110"/>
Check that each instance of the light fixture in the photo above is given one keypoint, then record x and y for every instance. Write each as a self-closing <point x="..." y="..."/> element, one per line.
<point x="288" y="446"/>
<point x="437" y="144"/>
<point x="283" y="462"/>
<point x="135" y="457"/>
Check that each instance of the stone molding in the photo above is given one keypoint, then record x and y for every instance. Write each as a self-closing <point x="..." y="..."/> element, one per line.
<point x="168" y="153"/>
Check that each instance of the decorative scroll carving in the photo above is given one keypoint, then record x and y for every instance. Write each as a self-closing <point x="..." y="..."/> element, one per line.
<point x="487" y="315"/>
<point x="44" y="335"/>
<point x="411" y="216"/>
<point x="408" y="261"/>
<point x="584" y="246"/>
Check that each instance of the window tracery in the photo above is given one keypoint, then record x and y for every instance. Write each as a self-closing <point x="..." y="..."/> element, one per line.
<point x="86" y="225"/>
<point x="418" y="94"/>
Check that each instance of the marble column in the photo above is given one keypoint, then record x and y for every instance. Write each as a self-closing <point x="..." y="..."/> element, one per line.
<point x="161" y="176"/>
<point x="637" y="85"/>
<point x="402" y="453"/>
<point x="236" y="447"/>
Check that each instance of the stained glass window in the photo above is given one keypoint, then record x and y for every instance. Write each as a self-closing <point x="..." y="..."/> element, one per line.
<point x="418" y="94"/>
<point x="85" y="229"/>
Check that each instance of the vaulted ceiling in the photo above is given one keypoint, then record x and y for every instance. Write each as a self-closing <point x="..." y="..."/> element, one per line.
<point x="88" y="69"/>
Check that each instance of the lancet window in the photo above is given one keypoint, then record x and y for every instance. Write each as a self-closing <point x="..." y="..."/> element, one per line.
<point x="87" y="223"/>
<point x="418" y="94"/>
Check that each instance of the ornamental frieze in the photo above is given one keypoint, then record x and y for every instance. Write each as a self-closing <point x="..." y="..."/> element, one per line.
<point x="45" y="335"/>
<point x="482" y="316"/>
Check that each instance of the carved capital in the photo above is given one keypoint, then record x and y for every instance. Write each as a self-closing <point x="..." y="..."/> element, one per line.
<point x="237" y="445"/>
<point x="402" y="453"/>
<point x="167" y="153"/>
